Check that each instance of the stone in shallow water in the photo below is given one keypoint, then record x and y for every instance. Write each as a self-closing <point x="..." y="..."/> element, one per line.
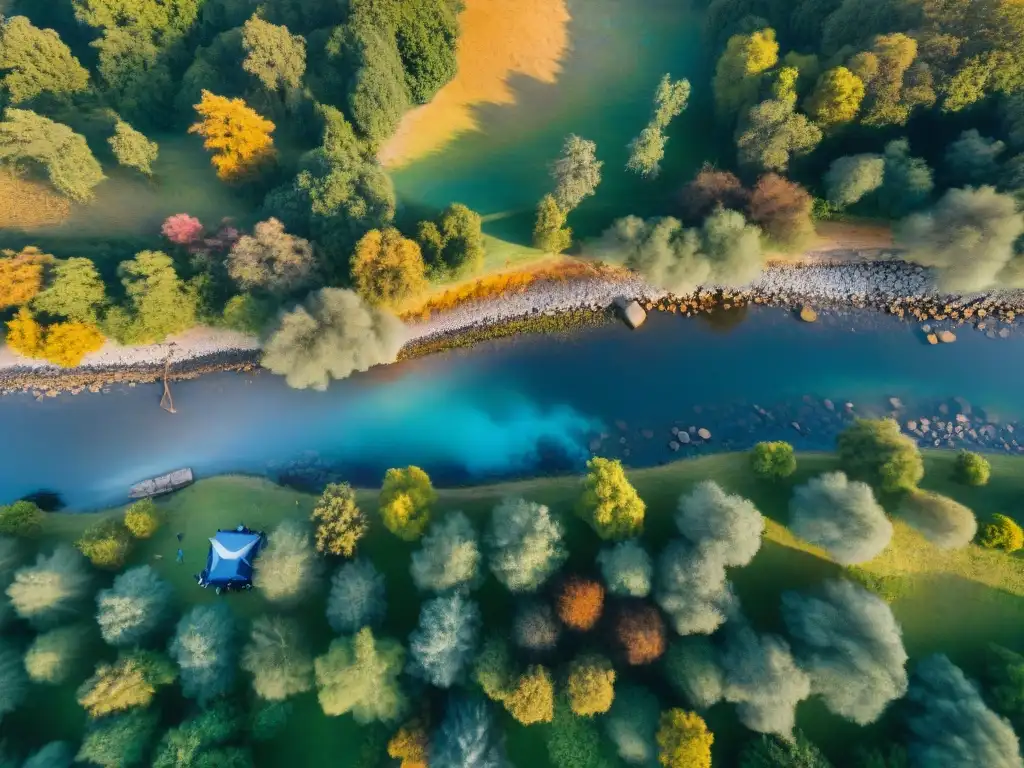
<point x="684" y="438"/>
<point x="703" y="434"/>
<point x="947" y="337"/>
<point x="633" y="314"/>
<point x="673" y="445"/>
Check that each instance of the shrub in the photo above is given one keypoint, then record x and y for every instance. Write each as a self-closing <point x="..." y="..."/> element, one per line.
<point x="13" y="680"/>
<point x="118" y="741"/>
<point x="631" y="724"/>
<point x="943" y="521"/>
<point x="106" y="544"/>
<point x="531" y="698"/>
<point x="406" y="498"/>
<point x="1002" y="533"/>
<point x="51" y="657"/>
<point x="204" y="647"/>
<point x="773" y="461"/>
<point x="287" y="570"/>
<point x="356" y="599"/>
<point x="136" y="606"/>
<point x="627" y="569"/>
<point x="129" y="682"/>
<point x="525" y="544"/>
<point x="445" y="641"/>
<point x="878" y="453"/>
<point x="340" y="523"/>
<point x="640" y="631"/>
<point x="610" y="503"/>
<point x="449" y="557"/>
<point x="535" y="627"/>
<point x="684" y="740"/>
<point x="580" y="602"/>
<point x="360" y="674"/>
<point x="591" y="685"/>
<point x="409" y="746"/>
<point x="22" y="518"/>
<point x="52" y="590"/>
<point x="142" y="519"/>
<point x="277" y="659"/>
<point x="972" y="468"/>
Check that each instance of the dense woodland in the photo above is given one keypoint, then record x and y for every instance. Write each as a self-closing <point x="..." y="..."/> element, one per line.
<point x="608" y="644"/>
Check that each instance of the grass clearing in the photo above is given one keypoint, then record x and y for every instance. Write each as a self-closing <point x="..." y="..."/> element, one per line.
<point x="26" y="204"/>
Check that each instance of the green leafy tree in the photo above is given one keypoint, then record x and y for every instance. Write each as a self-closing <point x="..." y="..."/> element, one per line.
<point x="449" y="558"/>
<point x="836" y="98"/>
<point x="132" y="149"/>
<point x="59" y="151"/>
<point x="22" y="518"/>
<point x="739" y="70"/>
<point x="131" y="681"/>
<point x="972" y="469"/>
<point x="576" y="172"/>
<point x="360" y="674"/>
<point x="609" y="502"/>
<point x="525" y="543"/>
<point x="549" y="232"/>
<point x="288" y="570"/>
<point x="406" y="500"/>
<point x="878" y="453"/>
<point x="907" y="181"/>
<point x="492" y="669"/>
<point x="388" y="268"/>
<point x="204" y="648"/>
<point x="647" y="150"/>
<point x="1004" y="678"/>
<point x="158" y="301"/>
<point x="574" y="742"/>
<point x="76" y="292"/>
<point x="453" y="247"/>
<point x="53" y="655"/>
<point x="35" y="61"/>
<point x="277" y="658"/>
<point x="119" y="741"/>
<point x="1002" y="533"/>
<point x="427" y="35"/>
<point x="773" y="133"/>
<point x="340" y="523"/>
<point x="274" y="56"/>
<point x="974" y="159"/>
<point x="895" y="83"/>
<point x="377" y="95"/>
<point x="52" y="590"/>
<point x="106" y="544"/>
<point x="851" y="177"/>
<point x="196" y="742"/>
<point x="773" y="460"/>
<point x="135" y="607"/>
<point x="773" y="752"/>
<point x="271" y="260"/>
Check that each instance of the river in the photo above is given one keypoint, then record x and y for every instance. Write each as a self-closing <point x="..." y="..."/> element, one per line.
<point x="513" y="407"/>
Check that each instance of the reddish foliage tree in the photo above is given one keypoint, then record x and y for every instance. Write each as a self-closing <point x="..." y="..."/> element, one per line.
<point x="580" y="602"/>
<point x="182" y="229"/>
<point x="712" y="188"/>
<point x="782" y="209"/>
<point x="640" y="631"/>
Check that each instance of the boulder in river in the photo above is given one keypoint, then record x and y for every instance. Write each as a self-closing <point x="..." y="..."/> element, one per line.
<point x="632" y="312"/>
<point x="684" y="437"/>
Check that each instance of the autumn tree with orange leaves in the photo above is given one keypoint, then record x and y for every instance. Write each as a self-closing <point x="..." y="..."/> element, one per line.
<point x="21" y="276"/>
<point x="580" y="602"/>
<point x="237" y="135"/>
<point x="640" y="631"/>
<point x="409" y="745"/>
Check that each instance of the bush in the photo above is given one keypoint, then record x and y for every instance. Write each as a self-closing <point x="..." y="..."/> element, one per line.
<point x="129" y="682"/>
<point x="535" y="627"/>
<point x="972" y="468"/>
<point x="136" y="606"/>
<point x="773" y="461"/>
<point x="876" y="452"/>
<point x="627" y="569"/>
<point x="51" y="657"/>
<point x="360" y="674"/>
<point x="591" y="685"/>
<point x="204" y="647"/>
<point x="51" y="591"/>
<point x="580" y="602"/>
<point x="106" y="544"/>
<point x="356" y="599"/>
<point x="610" y="503"/>
<point x="406" y="499"/>
<point x="277" y="659"/>
<point x="449" y="557"/>
<point x="943" y="521"/>
<point x="340" y="524"/>
<point x="119" y="741"/>
<point x="288" y="569"/>
<point x="684" y="740"/>
<point x="22" y="518"/>
<point x="1002" y="533"/>
<point x="445" y="641"/>
<point x="142" y="519"/>
<point x="531" y="699"/>
<point x="640" y="631"/>
<point x="525" y="544"/>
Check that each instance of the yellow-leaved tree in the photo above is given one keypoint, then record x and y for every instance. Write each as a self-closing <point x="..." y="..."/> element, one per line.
<point x="24" y="334"/>
<point x="406" y="497"/>
<point x="62" y="343"/>
<point x="609" y="502"/>
<point x="238" y="136"/>
<point x="684" y="740"/>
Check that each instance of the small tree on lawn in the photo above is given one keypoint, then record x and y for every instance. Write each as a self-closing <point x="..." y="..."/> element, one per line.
<point x="142" y="519"/>
<point x="972" y="468"/>
<point x="406" y="499"/>
<point x="1002" y="533"/>
<point x="340" y="523"/>
<point x="356" y="599"/>
<point x="287" y="570"/>
<point x="22" y="518"/>
<point x="277" y="658"/>
<point x="137" y="605"/>
<point x="52" y="590"/>
<point x="773" y="461"/>
<point x="203" y="646"/>
<point x="106" y="544"/>
<point x="360" y="674"/>
<point x="610" y="503"/>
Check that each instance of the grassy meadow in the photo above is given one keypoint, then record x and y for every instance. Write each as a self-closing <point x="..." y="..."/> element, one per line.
<point x="953" y="602"/>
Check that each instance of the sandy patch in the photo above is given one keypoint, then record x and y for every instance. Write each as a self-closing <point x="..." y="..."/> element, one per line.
<point x="26" y="204"/>
<point x="499" y="38"/>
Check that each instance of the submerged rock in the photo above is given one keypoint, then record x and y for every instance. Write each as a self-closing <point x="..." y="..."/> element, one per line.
<point x="632" y="312"/>
<point x="947" y="337"/>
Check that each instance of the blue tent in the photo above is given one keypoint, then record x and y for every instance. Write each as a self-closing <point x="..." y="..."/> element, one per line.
<point x="229" y="563"/>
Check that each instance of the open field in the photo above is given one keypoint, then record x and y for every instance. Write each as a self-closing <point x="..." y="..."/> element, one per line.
<point x="949" y="601"/>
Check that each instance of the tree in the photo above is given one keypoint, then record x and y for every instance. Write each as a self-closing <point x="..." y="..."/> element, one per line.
<point x="836" y="98"/>
<point x="531" y="697"/>
<point x="36" y="62"/>
<point x="21" y="276"/>
<point x="772" y="133"/>
<point x="387" y="268"/>
<point x="525" y="545"/>
<point x="377" y="93"/>
<point x="574" y="742"/>
<point x="23" y="519"/>
<point x="67" y="344"/>
<point x="159" y="303"/>
<point x="773" y="460"/>
<point x="359" y="674"/>
<point x="449" y="557"/>
<point x="106" y="544"/>
<point x="878" y="453"/>
<point x="142" y="519"/>
<point x="272" y="260"/>
<point x="277" y="658"/>
<point x="640" y="631"/>
<point x="53" y="655"/>
<point x="840" y="516"/>
<point x="131" y="681"/>
<point x="203" y="646"/>
<point x="409" y="745"/>
<point x="738" y="71"/>
<point x="712" y="189"/>
<point x="194" y="743"/>
<point x="340" y="523"/>
<point x="132" y="149"/>
<point x="943" y="521"/>
<point x="62" y="153"/>
<point x="580" y="602"/>
<point x="356" y="599"/>
<point x="118" y="741"/>
<point x="609" y="501"/>
<point x="182" y="229"/>
<point x="237" y="135"/>
<point x="576" y="172"/>
<point x="535" y="627"/>
<point x="773" y="752"/>
<point x="907" y="181"/>
<point x="445" y="641"/>
<point x="895" y="84"/>
<point x="13" y="680"/>
<point x="1004" y="682"/>
<point x="647" y="150"/>
<point x="974" y="159"/>
<point x="56" y="754"/>
<point x="468" y="737"/>
<point x="135" y="607"/>
<point x="782" y="209"/>
<point x="549" y="231"/>
<point x="684" y="740"/>
<point x="626" y="568"/>
<point x="492" y="668"/>
<point x="454" y="247"/>
<point x="287" y="569"/>
<point x="972" y="469"/>
<point x="851" y="177"/>
<point x="24" y="334"/>
<point x="693" y="670"/>
<point x="427" y="36"/>
<point x="631" y="724"/>
<point x="274" y="56"/>
<point x="332" y="335"/>
<point x="75" y="291"/>
<point x="1002" y="533"/>
<point x="406" y="499"/>
<point x="52" y="590"/>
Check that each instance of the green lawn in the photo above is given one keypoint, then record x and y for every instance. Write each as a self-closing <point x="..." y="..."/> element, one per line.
<point x="954" y="602"/>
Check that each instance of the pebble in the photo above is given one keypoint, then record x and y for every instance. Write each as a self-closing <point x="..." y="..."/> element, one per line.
<point x="703" y="434"/>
